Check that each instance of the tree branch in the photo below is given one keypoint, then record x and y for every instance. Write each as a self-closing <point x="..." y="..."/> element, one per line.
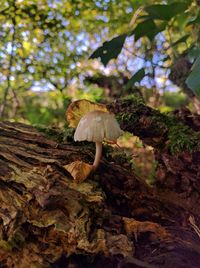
<point x="154" y="128"/>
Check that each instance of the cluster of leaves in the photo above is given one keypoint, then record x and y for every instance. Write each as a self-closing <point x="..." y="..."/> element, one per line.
<point x="169" y="19"/>
<point x="43" y="44"/>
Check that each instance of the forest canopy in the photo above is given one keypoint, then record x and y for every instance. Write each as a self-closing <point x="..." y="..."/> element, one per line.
<point x="55" y="51"/>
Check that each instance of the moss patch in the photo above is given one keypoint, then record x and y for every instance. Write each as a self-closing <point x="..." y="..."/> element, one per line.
<point x="135" y="98"/>
<point x="182" y="138"/>
<point x="59" y="135"/>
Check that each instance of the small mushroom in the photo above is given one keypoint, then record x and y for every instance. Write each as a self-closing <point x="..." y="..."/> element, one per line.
<point x="103" y="125"/>
<point x="96" y="126"/>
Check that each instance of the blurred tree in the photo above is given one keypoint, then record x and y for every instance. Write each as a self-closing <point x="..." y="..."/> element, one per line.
<point x="45" y="46"/>
<point x="43" y="42"/>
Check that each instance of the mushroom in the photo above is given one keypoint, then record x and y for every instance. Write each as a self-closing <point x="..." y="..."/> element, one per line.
<point x="96" y="126"/>
<point x="94" y="123"/>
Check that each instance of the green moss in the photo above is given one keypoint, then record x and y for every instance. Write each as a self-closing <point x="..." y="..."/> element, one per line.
<point x="59" y="135"/>
<point x="45" y="130"/>
<point x="151" y="178"/>
<point x="182" y="138"/>
<point x="68" y="134"/>
<point x="128" y="118"/>
<point x="165" y="118"/>
<point x="119" y="156"/>
<point x="179" y="137"/>
<point x="135" y="98"/>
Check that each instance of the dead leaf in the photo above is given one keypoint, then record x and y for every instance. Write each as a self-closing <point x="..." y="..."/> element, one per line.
<point x="135" y="227"/>
<point x="89" y="190"/>
<point x="97" y="245"/>
<point x="79" y="170"/>
<point x="78" y="109"/>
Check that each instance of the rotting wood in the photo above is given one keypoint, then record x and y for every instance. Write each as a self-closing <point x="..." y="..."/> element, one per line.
<point x="45" y="215"/>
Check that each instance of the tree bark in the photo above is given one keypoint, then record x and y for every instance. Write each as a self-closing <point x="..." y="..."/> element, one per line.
<point x="176" y="140"/>
<point x="113" y="219"/>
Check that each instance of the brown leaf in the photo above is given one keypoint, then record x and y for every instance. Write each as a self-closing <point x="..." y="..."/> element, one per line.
<point x="78" y="109"/>
<point x="79" y="170"/>
<point x="135" y="227"/>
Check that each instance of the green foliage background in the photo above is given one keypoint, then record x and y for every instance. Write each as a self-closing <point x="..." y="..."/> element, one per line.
<point x="51" y="52"/>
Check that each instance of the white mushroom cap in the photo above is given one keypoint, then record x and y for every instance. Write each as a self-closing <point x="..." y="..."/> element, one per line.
<point x="96" y="126"/>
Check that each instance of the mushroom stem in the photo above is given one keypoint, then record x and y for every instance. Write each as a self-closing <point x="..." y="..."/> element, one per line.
<point x="97" y="155"/>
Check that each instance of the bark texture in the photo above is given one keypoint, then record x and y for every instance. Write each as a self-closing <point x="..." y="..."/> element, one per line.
<point x="113" y="219"/>
<point x="176" y="139"/>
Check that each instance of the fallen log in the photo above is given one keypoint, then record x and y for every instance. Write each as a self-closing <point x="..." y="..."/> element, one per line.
<point x="112" y="219"/>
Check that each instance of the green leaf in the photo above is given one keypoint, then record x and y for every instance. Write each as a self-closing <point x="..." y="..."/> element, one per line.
<point x="110" y="49"/>
<point x="195" y="20"/>
<point x="180" y="40"/>
<point x="166" y="12"/>
<point x="193" y="80"/>
<point x="194" y="53"/>
<point x="147" y="28"/>
<point x="137" y="77"/>
<point x="196" y="65"/>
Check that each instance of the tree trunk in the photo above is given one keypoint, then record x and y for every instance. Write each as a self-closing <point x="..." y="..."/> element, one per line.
<point x="113" y="219"/>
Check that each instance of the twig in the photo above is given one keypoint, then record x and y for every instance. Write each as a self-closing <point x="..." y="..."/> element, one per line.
<point x="194" y="226"/>
<point x="135" y="16"/>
